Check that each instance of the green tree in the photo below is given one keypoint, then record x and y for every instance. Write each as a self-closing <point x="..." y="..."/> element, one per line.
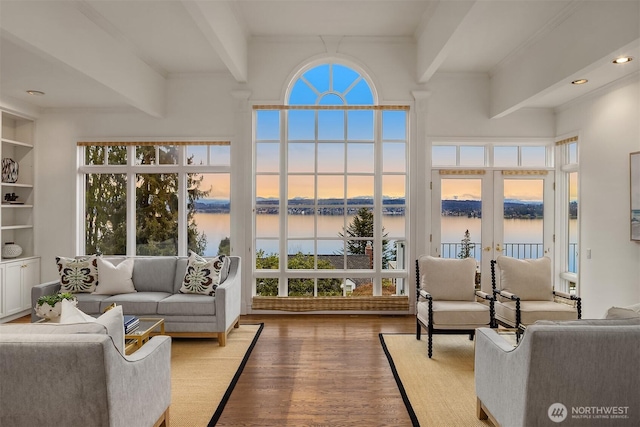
<point x="156" y="205"/>
<point x="297" y="287"/>
<point x="224" y="248"/>
<point x="362" y="226"/>
<point x="466" y="247"/>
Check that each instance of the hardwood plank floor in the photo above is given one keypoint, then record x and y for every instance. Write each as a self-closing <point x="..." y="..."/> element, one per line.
<point x="319" y="370"/>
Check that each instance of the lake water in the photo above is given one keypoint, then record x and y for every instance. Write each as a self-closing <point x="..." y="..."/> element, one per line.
<point x="218" y="225"/>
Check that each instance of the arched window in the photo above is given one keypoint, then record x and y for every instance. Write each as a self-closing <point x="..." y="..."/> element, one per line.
<point x="330" y="189"/>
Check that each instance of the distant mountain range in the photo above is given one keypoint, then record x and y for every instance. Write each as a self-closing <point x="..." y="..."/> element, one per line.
<point x="392" y="206"/>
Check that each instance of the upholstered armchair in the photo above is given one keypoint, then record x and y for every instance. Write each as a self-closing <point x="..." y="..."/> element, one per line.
<point x="569" y="373"/>
<point x="524" y="293"/>
<point x="447" y="301"/>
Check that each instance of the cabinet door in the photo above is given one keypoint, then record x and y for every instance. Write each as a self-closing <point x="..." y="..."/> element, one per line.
<point x="30" y="278"/>
<point x="13" y="288"/>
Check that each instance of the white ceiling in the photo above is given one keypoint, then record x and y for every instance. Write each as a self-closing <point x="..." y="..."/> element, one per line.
<point x="116" y="53"/>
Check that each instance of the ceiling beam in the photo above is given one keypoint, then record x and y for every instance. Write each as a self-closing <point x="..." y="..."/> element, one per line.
<point x="218" y="23"/>
<point x="587" y="38"/>
<point x="436" y="33"/>
<point x="61" y="32"/>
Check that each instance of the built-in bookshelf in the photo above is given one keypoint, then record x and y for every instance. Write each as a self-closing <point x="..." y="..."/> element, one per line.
<point x="17" y="274"/>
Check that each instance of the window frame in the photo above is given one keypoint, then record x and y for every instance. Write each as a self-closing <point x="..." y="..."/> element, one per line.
<point x="131" y="169"/>
<point x="564" y="169"/>
<point x="283" y="273"/>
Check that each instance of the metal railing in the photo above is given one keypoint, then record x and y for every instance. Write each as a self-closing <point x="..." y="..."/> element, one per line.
<point x="515" y="250"/>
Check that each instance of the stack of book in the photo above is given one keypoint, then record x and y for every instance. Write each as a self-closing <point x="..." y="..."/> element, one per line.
<point x="131" y="323"/>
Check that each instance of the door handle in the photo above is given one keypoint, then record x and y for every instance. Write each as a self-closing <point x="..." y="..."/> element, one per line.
<point x="488" y="248"/>
<point x="498" y="248"/>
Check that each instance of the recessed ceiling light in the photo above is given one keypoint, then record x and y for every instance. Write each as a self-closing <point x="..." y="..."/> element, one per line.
<point x="579" y="82"/>
<point x="35" y="92"/>
<point x="622" y="60"/>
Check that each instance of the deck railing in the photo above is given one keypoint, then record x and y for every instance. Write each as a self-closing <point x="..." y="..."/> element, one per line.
<point x="515" y="250"/>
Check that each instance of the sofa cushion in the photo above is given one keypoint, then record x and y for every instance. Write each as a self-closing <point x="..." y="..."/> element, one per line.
<point x="90" y="303"/>
<point x="78" y="274"/>
<point x="187" y="305"/>
<point x="529" y="279"/>
<point x="138" y="303"/>
<point x="202" y="275"/>
<point x="115" y="279"/>
<point x="154" y="274"/>
<point x="631" y="312"/>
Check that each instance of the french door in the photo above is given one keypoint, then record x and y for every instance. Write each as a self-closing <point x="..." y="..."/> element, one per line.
<point x="486" y="213"/>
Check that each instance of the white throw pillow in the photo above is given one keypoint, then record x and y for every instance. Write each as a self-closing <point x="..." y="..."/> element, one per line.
<point x="202" y="275"/>
<point x="115" y="279"/>
<point x="113" y="320"/>
<point x="78" y="274"/>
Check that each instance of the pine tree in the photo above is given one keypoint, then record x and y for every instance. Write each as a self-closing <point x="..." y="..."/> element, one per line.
<point x="156" y="205"/>
<point x="466" y="247"/>
<point x="362" y="226"/>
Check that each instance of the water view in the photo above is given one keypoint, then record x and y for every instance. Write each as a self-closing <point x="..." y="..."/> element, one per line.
<point x="217" y="226"/>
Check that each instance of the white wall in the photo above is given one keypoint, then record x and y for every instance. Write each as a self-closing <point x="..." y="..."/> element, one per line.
<point x="608" y="126"/>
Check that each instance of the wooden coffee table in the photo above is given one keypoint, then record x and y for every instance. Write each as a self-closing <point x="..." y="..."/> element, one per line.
<point x="137" y="338"/>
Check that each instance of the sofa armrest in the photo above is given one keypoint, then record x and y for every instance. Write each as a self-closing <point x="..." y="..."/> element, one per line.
<point x="48" y="288"/>
<point x="142" y="379"/>
<point x="494" y="388"/>
<point x="228" y="297"/>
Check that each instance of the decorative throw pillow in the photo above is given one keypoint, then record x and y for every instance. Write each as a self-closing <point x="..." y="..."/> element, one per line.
<point x="530" y="279"/>
<point x="78" y="275"/>
<point x="115" y="279"/>
<point x="202" y="275"/>
<point x="113" y="320"/>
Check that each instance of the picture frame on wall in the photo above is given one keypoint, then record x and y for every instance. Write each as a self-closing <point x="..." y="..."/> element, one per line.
<point x="634" y="168"/>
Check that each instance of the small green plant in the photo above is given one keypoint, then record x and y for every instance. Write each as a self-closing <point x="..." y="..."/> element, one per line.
<point x="55" y="298"/>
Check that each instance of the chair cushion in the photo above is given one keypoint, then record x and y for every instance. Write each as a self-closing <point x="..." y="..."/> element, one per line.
<point x="630" y="312"/>
<point x="113" y="320"/>
<point x="529" y="279"/>
<point x="531" y="311"/>
<point x="448" y="278"/>
<point x="455" y="314"/>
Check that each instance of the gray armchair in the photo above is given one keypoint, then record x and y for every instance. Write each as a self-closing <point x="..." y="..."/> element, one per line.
<point x="447" y="301"/>
<point x="73" y="375"/>
<point x="571" y="373"/>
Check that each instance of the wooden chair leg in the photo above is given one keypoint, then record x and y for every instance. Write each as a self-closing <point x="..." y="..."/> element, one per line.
<point x="430" y="345"/>
<point x="418" y="330"/>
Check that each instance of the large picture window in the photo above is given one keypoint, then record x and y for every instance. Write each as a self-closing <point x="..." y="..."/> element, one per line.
<point x="156" y="198"/>
<point x="330" y="190"/>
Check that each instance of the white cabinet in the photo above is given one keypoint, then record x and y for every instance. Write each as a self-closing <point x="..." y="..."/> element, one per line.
<point x="16" y="280"/>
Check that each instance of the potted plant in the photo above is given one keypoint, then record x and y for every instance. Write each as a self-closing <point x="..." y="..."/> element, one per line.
<point x="50" y="306"/>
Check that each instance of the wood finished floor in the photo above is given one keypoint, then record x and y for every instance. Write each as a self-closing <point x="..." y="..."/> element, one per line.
<point x="319" y="370"/>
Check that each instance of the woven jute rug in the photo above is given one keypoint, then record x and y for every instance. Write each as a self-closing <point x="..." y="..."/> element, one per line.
<point x="439" y="391"/>
<point x="203" y="375"/>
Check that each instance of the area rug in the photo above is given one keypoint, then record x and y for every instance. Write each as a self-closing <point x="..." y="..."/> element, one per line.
<point x="439" y="391"/>
<point x="203" y="375"/>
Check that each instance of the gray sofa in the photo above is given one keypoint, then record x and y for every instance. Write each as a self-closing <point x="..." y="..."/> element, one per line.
<point x="569" y="373"/>
<point x="157" y="281"/>
<point x="73" y="375"/>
